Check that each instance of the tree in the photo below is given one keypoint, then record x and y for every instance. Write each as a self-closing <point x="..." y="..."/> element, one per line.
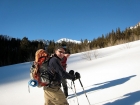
<point x="24" y="44"/>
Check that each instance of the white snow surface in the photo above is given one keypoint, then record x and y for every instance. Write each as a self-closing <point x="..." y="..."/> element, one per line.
<point x="111" y="79"/>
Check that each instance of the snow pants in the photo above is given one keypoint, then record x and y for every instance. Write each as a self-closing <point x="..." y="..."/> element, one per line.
<point x="54" y="96"/>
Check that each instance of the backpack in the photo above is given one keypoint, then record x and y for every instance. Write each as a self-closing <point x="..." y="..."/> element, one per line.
<point x="38" y="71"/>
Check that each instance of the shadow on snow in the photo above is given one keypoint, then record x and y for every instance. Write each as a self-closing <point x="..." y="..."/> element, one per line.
<point x="104" y="85"/>
<point x="130" y="99"/>
<point x="13" y="73"/>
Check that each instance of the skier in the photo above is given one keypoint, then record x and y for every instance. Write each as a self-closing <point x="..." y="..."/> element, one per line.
<point x="53" y="94"/>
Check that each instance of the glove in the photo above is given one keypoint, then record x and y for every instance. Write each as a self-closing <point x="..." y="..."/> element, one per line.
<point x="71" y="72"/>
<point x="77" y="75"/>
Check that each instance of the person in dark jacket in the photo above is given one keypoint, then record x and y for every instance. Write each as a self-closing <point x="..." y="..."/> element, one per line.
<point x="53" y="94"/>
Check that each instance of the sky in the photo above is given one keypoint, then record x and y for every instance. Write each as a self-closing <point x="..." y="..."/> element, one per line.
<point x="110" y="79"/>
<point x="72" y="19"/>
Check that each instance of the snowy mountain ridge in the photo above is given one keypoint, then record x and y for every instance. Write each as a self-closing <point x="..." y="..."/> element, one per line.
<point x="67" y="40"/>
<point x="135" y="26"/>
<point x="58" y="41"/>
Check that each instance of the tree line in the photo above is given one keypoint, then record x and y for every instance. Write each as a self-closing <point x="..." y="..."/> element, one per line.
<point x="14" y="50"/>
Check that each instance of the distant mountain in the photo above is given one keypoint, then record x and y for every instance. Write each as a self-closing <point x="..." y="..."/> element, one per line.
<point x="135" y="26"/>
<point x="67" y="40"/>
<point x="58" y="41"/>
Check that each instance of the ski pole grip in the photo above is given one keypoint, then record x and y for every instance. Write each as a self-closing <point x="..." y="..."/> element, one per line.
<point x="71" y="72"/>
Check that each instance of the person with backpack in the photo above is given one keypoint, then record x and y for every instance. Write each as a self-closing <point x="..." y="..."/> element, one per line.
<point x="64" y="64"/>
<point x="53" y="94"/>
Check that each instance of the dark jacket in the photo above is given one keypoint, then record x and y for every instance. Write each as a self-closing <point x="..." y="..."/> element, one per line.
<point x="55" y="65"/>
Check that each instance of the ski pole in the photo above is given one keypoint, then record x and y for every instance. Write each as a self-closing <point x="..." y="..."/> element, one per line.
<point x="75" y="92"/>
<point x="71" y="83"/>
<point x="70" y="86"/>
<point x="84" y="91"/>
<point x="71" y="72"/>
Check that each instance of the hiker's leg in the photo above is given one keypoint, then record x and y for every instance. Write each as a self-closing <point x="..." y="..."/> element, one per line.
<point x="66" y="91"/>
<point x="56" y="96"/>
<point x="65" y="87"/>
<point x="47" y="98"/>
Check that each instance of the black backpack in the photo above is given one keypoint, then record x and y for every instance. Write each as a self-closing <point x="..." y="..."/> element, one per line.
<point x="39" y="74"/>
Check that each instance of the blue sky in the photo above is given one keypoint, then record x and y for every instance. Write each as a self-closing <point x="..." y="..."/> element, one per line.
<point x="73" y="19"/>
